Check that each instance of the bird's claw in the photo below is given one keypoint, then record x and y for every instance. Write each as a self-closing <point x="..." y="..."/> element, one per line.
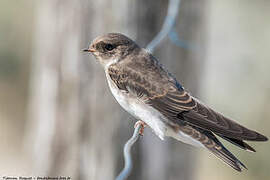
<point x="143" y="125"/>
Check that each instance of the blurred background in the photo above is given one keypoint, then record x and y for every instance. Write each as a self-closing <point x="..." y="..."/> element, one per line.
<point x="58" y="116"/>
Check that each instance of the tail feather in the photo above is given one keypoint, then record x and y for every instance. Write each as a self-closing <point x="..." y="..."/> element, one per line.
<point x="239" y="143"/>
<point x="217" y="148"/>
<point x="227" y="157"/>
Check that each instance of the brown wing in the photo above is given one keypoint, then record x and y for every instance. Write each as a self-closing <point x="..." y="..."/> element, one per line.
<point x="147" y="80"/>
<point x="181" y="107"/>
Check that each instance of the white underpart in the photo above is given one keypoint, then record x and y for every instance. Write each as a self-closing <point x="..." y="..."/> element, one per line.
<point x="153" y="118"/>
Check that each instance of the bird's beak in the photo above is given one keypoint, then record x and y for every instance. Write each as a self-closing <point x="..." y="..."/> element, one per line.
<point x="89" y="50"/>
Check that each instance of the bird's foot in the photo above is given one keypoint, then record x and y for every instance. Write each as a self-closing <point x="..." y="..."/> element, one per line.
<point x="143" y="124"/>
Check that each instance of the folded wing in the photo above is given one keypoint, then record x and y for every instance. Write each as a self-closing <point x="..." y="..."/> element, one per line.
<point x="180" y="107"/>
<point x="164" y="93"/>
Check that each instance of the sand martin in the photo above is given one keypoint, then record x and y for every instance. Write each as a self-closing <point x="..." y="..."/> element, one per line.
<point x="145" y="89"/>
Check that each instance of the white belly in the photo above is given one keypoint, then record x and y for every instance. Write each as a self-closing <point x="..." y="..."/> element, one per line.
<point x="153" y="118"/>
<point x="140" y="110"/>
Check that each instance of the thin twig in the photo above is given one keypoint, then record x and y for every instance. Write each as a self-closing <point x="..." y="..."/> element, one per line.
<point x="167" y="26"/>
<point x="128" y="159"/>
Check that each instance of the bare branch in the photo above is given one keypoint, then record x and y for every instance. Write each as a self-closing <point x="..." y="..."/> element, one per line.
<point x="127" y="155"/>
<point x="168" y="24"/>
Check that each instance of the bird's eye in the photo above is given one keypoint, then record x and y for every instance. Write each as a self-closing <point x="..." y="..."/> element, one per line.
<point x="109" y="47"/>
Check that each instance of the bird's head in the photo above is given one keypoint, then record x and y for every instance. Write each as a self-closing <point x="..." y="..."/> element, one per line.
<point x="111" y="47"/>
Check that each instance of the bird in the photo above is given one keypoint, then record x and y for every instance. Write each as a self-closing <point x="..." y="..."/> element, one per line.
<point x="151" y="94"/>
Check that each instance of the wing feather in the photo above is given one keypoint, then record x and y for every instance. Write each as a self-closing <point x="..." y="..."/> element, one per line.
<point x="160" y="90"/>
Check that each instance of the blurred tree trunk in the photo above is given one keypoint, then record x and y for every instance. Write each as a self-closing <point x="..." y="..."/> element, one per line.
<point x="54" y="118"/>
<point x="76" y="126"/>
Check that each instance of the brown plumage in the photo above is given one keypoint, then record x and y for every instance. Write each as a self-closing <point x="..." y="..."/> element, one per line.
<point x="146" y="78"/>
<point x="136" y="72"/>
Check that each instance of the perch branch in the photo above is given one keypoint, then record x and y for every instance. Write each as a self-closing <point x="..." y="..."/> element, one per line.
<point x="168" y="24"/>
<point x="127" y="156"/>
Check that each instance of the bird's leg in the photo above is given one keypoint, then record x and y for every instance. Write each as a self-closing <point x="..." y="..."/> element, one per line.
<point x="143" y="124"/>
